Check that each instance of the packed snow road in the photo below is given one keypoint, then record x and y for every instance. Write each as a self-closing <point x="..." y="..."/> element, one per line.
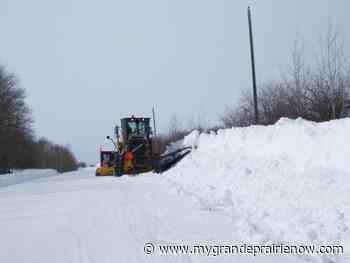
<point x="19" y="176"/>
<point x="80" y="218"/>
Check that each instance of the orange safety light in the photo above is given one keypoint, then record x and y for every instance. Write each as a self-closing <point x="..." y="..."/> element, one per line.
<point x="129" y="156"/>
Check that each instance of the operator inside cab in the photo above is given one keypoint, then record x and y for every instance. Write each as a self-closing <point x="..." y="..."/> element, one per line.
<point x="136" y="128"/>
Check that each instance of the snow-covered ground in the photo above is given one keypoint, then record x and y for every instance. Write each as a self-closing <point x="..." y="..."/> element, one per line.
<point x="77" y="217"/>
<point x="285" y="182"/>
<point x="288" y="183"/>
<point x="19" y="176"/>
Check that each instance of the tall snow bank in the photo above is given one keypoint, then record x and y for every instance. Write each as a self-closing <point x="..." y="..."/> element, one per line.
<point x="285" y="182"/>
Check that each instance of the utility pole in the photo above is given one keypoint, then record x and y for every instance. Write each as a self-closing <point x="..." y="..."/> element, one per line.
<point x="256" y="112"/>
<point x="155" y="141"/>
<point x="154" y="122"/>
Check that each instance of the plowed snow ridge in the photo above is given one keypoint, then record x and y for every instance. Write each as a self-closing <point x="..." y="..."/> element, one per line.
<point x="284" y="182"/>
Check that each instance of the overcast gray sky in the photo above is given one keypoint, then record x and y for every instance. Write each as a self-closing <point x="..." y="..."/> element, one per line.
<point x="85" y="64"/>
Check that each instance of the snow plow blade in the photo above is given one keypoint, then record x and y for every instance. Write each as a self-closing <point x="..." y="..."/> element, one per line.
<point x="167" y="161"/>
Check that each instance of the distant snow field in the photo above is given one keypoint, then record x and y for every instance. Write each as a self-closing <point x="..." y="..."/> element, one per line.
<point x="285" y="183"/>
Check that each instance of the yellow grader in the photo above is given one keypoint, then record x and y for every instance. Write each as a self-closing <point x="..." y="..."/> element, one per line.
<point x="134" y="151"/>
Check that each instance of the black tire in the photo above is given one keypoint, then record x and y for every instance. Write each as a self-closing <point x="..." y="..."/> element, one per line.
<point x="118" y="174"/>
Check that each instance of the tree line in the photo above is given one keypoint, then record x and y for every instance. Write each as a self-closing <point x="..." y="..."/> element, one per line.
<point x="19" y="148"/>
<point x="317" y="91"/>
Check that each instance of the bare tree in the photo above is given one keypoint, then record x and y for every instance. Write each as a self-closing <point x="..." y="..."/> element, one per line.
<point x="241" y="115"/>
<point x="175" y="127"/>
<point x="18" y="147"/>
<point x="199" y="123"/>
<point x="16" y="135"/>
<point x="317" y="93"/>
<point x="330" y="87"/>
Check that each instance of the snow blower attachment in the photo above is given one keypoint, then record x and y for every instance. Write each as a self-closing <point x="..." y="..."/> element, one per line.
<point x="134" y="151"/>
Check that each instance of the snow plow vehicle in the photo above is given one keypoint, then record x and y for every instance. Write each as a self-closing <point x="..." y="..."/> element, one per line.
<point x="134" y="151"/>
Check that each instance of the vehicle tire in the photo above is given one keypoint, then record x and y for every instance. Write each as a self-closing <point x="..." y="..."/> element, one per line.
<point x="118" y="174"/>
